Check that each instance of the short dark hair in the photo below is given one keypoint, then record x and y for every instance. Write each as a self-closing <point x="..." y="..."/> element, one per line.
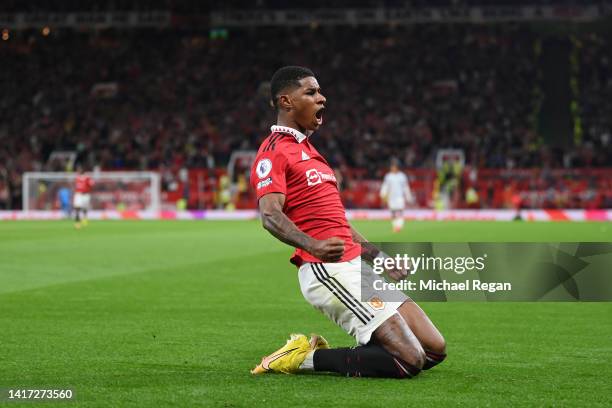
<point x="287" y="77"/>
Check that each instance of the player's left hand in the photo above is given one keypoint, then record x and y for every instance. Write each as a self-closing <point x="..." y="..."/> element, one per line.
<point x="396" y="273"/>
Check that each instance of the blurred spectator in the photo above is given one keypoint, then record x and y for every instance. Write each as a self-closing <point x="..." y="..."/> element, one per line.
<point x="169" y="99"/>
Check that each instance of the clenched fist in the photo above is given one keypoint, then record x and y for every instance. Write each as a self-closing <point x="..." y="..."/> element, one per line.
<point x="328" y="250"/>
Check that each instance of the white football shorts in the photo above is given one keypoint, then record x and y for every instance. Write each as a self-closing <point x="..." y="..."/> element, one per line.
<point x="396" y="204"/>
<point x="335" y="290"/>
<point x="80" y="200"/>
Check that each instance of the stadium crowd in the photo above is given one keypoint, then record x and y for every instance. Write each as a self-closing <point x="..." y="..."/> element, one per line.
<point x="595" y="99"/>
<point x="169" y="99"/>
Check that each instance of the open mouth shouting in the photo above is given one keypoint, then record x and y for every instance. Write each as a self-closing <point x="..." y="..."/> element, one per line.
<point x="319" y="115"/>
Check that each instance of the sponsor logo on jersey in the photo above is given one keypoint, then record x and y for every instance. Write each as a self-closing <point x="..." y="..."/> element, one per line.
<point x="314" y="177"/>
<point x="264" y="183"/>
<point x="263" y="168"/>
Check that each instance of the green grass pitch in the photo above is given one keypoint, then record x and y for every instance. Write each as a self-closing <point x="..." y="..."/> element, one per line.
<point x="168" y="313"/>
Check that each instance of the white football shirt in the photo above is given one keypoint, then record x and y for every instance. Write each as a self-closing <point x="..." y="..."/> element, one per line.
<point x="396" y="189"/>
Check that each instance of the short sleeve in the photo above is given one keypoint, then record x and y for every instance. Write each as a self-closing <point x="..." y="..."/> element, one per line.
<point x="268" y="174"/>
<point x="384" y="187"/>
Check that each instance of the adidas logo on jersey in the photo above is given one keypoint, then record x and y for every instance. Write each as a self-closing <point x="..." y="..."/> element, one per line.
<point x="305" y="156"/>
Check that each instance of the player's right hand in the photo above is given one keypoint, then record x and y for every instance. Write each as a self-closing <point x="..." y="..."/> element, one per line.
<point x="328" y="250"/>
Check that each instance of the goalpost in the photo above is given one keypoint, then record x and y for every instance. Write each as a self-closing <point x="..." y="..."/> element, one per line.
<point x="112" y="191"/>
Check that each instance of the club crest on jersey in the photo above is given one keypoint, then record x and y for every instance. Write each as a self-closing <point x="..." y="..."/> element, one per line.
<point x="263" y="168"/>
<point x="376" y="303"/>
<point x="314" y="177"/>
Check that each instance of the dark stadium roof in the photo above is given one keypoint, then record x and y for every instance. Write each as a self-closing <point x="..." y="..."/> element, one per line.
<point x="181" y="6"/>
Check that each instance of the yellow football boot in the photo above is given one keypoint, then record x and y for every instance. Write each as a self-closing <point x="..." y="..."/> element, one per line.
<point x="318" y="342"/>
<point x="288" y="358"/>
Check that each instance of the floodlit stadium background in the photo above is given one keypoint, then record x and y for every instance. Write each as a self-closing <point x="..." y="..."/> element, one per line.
<point x="488" y="108"/>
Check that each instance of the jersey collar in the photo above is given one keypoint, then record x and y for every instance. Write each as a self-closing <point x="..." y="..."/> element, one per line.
<point x="299" y="136"/>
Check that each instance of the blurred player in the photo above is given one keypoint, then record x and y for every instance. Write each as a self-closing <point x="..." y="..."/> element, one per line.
<point x="300" y="205"/>
<point x="80" y="203"/>
<point x="64" y="196"/>
<point x="395" y="191"/>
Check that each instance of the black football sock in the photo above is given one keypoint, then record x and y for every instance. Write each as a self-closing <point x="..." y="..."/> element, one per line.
<point x="363" y="361"/>
<point x="433" y="359"/>
<point x="77" y="215"/>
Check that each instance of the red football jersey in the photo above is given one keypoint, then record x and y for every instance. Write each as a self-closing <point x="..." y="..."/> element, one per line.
<point x="288" y="163"/>
<point x="83" y="184"/>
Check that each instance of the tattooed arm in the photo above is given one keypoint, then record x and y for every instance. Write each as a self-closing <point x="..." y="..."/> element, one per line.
<point x="368" y="250"/>
<point x="278" y="224"/>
